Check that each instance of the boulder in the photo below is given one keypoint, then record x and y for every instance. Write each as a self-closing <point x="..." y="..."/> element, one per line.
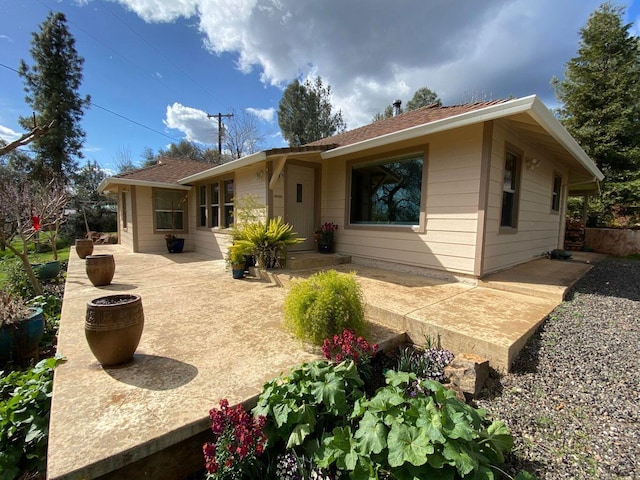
<point x="469" y="372"/>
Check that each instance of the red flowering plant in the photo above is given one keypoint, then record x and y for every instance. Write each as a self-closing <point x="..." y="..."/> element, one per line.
<point x="326" y="233"/>
<point x="238" y="442"/>
<point x="348" y="346"/>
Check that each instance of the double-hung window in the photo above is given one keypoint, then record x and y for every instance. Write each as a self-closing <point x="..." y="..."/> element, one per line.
<point x="555" y="194"/>
<point x="510" y="191"/>
<point x="221" y="195"/>
<point x="387" y="191"/>
<point x="170" y="210"/>
<point x="202" y="211"/>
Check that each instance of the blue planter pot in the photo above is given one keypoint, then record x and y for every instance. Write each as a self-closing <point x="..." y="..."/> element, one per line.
<point x="19" y="341"/>
<point x="238" y="273"/>
<point x="325" y="247"/>
<point x="46" y="271"/>
<point x="176" y="245"/>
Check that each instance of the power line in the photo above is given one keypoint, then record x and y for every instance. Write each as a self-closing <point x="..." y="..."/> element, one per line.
<point x="113" y="113"/>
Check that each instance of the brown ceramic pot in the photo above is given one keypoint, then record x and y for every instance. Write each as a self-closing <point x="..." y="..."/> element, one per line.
<point x="84" y="247"/>
<point x="100" y="269"/>
<point x="113" y="327"/>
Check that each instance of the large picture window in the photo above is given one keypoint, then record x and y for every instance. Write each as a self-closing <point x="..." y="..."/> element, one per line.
<point x="387" y="192"/>
<point x="510" y="193"/>
<point x="170" y="209"/>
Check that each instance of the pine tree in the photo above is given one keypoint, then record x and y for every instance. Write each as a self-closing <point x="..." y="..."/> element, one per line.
<point x="423" y="97"/>
<point x="52" y="85"/>
<point x="601" y="92"/>
<point x="305" y="113"/>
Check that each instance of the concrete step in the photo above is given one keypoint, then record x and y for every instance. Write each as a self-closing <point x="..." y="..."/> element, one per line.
<point x="313" y="260"/>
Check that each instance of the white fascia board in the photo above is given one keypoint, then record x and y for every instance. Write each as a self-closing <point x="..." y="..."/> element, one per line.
<point x="113" y="181"/>
<point x="492" y="112"/>
<point x="541" y="114"/>
<point x="225" y="167"/>
<point x="530" y="105"/>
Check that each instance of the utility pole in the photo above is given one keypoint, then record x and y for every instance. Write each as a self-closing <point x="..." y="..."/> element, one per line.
<point x="220" y="115"/>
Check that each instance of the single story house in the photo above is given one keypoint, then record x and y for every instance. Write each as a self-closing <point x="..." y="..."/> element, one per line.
<point x="461" y="190"/>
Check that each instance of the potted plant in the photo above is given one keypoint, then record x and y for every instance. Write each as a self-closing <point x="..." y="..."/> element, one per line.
<point x="174" y="244"/>
<point x="325" y="236"/>
<point x="21" y="327"/>
<point x="236" y="258"/>
<point x="246" y="210"/>
<point x="268" y="241"/>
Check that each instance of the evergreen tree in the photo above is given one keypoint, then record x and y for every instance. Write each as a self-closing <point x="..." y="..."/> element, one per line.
<point x="601" y="92"/>
<point x="423" y="97"/>
<point x="52" y="85"/>
<point x="305" y="113"/>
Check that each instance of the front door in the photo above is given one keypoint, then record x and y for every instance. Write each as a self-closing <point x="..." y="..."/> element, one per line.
<point x="300" y="198"/>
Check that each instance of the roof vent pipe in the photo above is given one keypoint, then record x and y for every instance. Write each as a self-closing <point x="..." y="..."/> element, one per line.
<point x="396" y="107"/>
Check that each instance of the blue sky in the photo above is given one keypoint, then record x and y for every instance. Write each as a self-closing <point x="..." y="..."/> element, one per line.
<point x="165" y="64"/>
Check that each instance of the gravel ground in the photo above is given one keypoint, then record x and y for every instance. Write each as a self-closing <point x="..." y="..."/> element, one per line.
<point x="572" y="401"/>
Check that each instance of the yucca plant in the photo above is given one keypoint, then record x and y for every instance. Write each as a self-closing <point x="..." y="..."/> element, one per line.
<point x="268" y="241"/>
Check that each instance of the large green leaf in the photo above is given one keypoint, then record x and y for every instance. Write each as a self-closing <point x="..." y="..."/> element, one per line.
<point x="371" y="434"/>
<point x="408" y="444"/>
<point x="498" y="439"/>
<point x="332" y="393"/>
<point x="431" y="421"/>
<point x="464" y="458"/>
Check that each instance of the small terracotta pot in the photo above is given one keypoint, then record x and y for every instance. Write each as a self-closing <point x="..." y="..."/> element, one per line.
<point x="84" y="247"/>
<point x="113" y="327"/>
<point x="100" y="269"/>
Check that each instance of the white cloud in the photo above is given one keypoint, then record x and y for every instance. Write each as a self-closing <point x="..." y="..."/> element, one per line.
<point x="371" y="53"/>
<point x="7" y="134"/>
<point x="6" y="37"/>
<point x="192" y="122"/>
<point x="264" y="114"/>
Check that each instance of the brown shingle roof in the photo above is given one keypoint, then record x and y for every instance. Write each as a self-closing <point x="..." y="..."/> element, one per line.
<point x="167" y="170"/>
<point x="421" y="116"/>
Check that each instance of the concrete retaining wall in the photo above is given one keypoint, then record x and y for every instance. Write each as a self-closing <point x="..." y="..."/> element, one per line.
<point x="613" y="241"/>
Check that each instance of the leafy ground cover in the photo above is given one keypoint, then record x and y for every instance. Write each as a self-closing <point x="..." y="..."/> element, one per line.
<point x="326" y="420"/>
<point x="25" y="388"/>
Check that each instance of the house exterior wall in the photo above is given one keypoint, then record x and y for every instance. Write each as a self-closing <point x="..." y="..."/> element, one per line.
<point x="448" y="240"/>
<point x="539" y="229"/>
<point x="213" y="242"/>
<point x="147" y="240"/>
<point x="126" y="226"/>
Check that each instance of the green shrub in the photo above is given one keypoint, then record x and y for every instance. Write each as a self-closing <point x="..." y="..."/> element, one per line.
<point x="17" y="279"/>
<point x="25" y="402"/>
<point x="324" y="305"/>
<point x="314" y="398"/>
<point x="430" y="435"/>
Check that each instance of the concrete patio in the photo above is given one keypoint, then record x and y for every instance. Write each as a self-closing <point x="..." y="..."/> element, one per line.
<point x="208" y="337"/>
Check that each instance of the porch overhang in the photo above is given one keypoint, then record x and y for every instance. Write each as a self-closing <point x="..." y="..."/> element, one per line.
<point x="108" y="184"/>
<point x="278" y="155"/>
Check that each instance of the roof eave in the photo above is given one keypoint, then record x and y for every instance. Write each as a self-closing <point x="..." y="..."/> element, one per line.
<point x="492" y="112"/>
<point x="115" y="181"/>
<point x="530" y="105"/>
<point x="541" y="114"/>
<point x="225" y="168"/>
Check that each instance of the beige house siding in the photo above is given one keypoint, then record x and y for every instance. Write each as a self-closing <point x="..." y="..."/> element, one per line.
<point x="538" y="227"/>
<point x="126" y="231"/>
<point x="148" y="241"/>
<point x="452" y="190"/>
<point x="213" y="241"/>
